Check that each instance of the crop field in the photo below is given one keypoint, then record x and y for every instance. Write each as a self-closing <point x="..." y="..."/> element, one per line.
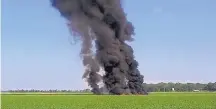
<point x="85" y="101"/>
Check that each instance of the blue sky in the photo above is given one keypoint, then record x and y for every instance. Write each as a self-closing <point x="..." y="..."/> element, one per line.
<point x="175" y="41"/>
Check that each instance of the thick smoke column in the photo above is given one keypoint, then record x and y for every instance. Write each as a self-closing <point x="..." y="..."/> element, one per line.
<point x="104" y="22"/>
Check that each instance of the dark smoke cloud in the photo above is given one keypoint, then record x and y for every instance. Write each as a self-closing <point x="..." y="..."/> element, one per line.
<point x="104" y="22"/>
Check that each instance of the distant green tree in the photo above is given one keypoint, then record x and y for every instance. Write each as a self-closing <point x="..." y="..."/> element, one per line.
<point x="210" y="86"/>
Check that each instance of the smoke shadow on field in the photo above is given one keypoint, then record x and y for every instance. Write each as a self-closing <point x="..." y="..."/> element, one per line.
<point x="80" y="94"/>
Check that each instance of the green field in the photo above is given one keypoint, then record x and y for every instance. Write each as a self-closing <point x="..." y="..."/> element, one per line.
<point x="151" y="101"/>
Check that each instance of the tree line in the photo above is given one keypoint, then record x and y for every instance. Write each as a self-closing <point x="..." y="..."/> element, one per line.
<point x="159" y="87"/>
<point x="180" y="87"/>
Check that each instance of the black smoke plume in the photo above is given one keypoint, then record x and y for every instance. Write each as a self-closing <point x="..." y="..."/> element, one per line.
<point x="104" y="22"/>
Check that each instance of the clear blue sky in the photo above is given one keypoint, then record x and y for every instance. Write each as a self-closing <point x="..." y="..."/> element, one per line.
<point x="175" y="41"/>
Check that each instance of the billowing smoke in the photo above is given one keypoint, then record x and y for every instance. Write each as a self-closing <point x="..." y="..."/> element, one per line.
<point x="104" y="22"/>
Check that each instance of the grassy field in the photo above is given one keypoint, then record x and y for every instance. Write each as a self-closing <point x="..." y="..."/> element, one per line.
<point x="151" y="101"/>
